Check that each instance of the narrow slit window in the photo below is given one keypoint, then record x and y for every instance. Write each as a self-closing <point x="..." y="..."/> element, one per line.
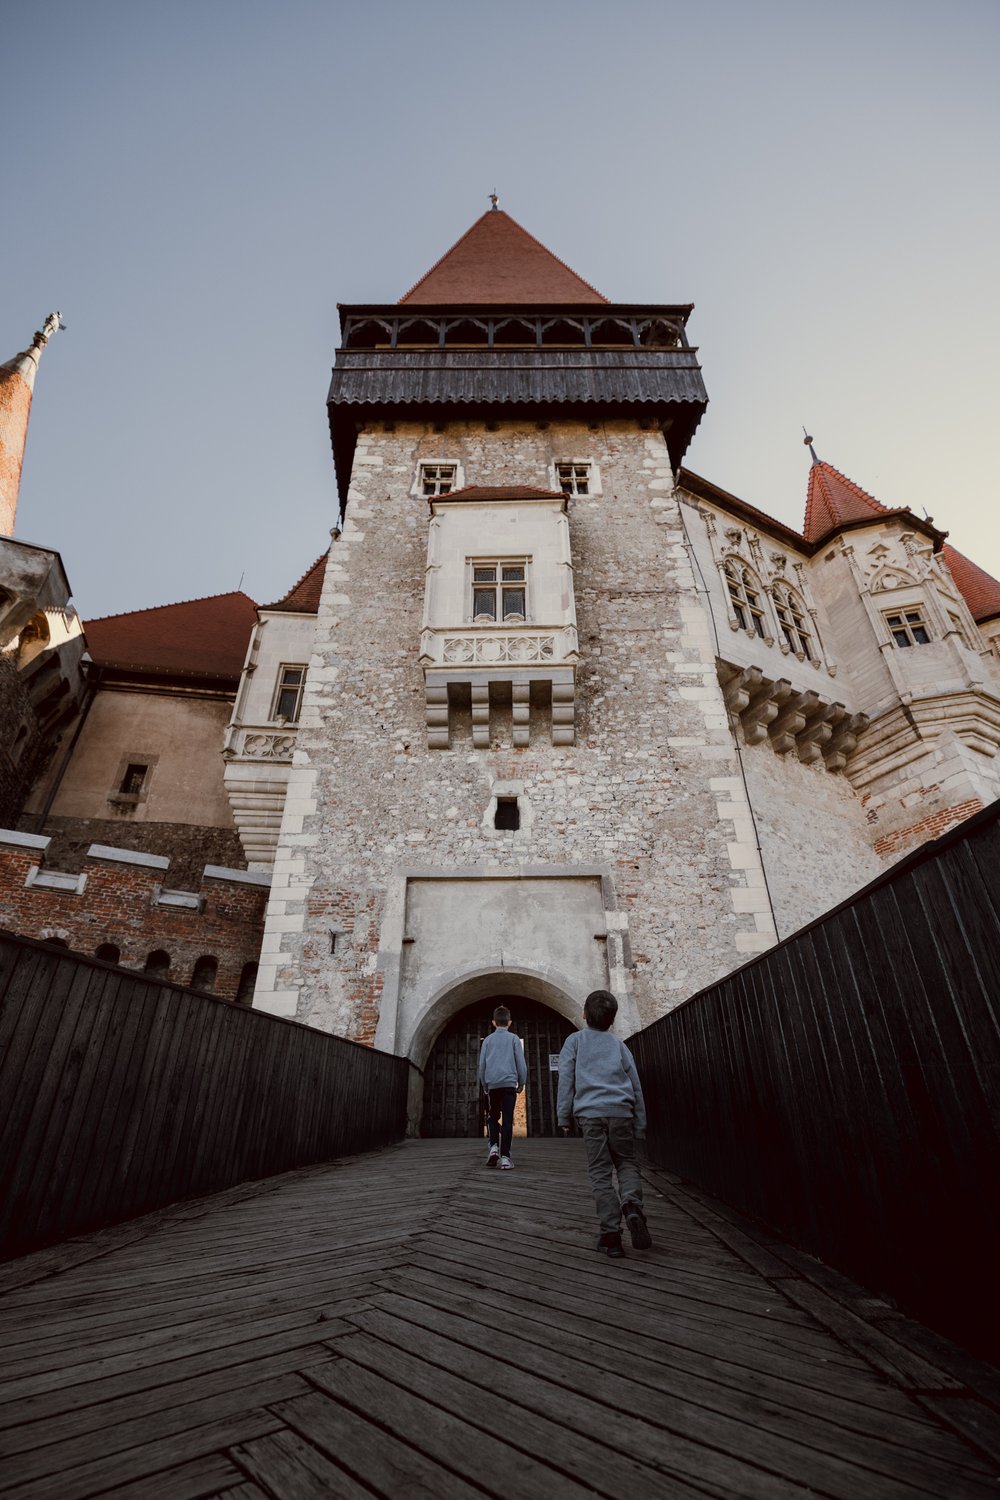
<point x="134" y="779"/>
<point x="508" y="814"/>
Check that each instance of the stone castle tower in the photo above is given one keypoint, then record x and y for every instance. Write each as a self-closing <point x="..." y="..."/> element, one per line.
<point x="514" y="772"/>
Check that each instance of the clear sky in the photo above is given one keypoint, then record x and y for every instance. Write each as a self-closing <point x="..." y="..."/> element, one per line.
<point x="196" y="185"/>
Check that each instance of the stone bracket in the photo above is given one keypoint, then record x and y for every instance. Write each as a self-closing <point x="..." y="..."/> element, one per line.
<point x="813" y="726"/>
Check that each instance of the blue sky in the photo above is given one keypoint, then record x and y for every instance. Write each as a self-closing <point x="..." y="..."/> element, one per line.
<point x="197" y="185"/>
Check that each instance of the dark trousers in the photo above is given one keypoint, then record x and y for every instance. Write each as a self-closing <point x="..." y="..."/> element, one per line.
<point x="611" y="1148"/>
<point x="502" y="1118"/>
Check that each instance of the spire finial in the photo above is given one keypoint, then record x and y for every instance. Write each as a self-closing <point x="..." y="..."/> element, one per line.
<point x="52" y="325"/>
<point x="809" y="444"/>
<point x="494" y="200"/>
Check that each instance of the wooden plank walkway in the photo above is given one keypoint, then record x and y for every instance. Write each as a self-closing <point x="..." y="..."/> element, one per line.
<point x="407" y="1324"/>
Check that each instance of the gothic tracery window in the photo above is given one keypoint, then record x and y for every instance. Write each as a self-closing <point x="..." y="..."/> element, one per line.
<point x="793" y="620"/>
<point x="745" y="596"/>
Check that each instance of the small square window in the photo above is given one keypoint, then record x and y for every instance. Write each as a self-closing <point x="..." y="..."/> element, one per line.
<point x="573" y="478"/>
<point x="437" y="479"/>
<point x="908" y="628"/>
<point x="508" y="814"/>
<point x="288" y="693"/>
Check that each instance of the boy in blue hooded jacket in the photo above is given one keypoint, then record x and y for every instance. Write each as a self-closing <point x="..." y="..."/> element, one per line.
<point x="502" y="1076"/>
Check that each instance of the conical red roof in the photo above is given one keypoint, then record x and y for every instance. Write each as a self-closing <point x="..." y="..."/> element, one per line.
<point x="832" y="500"/>
<point x="979" y="589"/>
<point x="498" y="261"/>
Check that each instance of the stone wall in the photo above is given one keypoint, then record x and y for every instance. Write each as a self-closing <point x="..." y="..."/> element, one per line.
<point x="649" y="795"/>
<point x="123" y="898"/>
<point x="20" y="742"/>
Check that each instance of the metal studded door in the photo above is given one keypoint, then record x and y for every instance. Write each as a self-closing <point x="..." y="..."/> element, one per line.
<point x="452" y="1102"/>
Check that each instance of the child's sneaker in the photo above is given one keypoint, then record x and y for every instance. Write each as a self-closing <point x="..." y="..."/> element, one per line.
<point x="506" y="1165"/>
<point x="493" y="1157"/>
<point x="637" y="1227"/>
<point x="611" y="1244"/>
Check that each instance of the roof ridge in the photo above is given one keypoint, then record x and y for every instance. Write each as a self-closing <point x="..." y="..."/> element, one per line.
<point x="518" y="226"/>
<point x="149" y="609"/>
<point x="298" y="584"/>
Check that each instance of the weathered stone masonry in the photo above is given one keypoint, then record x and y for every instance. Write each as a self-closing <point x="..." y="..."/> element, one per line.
<point x="650" y="792"/>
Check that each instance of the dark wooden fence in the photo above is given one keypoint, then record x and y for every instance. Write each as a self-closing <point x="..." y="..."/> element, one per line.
<point x="120" y="1094"/>
<point x="844" y="1088"/>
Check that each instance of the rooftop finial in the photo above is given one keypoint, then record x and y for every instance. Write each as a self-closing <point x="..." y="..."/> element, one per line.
<point x="809" y="444"/>
<point x="52" y="325"/>
<point x="494" y="200"/>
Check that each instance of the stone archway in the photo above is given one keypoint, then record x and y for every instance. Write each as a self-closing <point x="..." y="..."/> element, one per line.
<point x="452" y="1103"/>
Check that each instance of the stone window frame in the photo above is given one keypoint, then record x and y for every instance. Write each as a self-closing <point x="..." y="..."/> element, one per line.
<point x="132" y="799"/>
<point x="594" y="488"/>
<point x="495" y="560"/>
<point x="909" y="619"/>
<point x="797" y="633"/>
<point x="280" y="686"/>
<point x="417" y="489"/>
<point x="761" y="626"/>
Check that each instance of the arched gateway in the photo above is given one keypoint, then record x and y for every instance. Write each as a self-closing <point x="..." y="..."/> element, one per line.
<point x="453" y="1104"/>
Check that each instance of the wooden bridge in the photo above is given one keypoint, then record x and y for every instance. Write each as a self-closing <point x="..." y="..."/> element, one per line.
<point x="405" y="1324"/>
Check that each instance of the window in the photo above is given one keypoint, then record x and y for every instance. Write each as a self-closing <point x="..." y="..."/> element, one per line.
<point x="745" y="597"/>
<point x="791" y="614"/>
<point x="508" y="814"/>
<point x="134" y="779"/>
<point x="288" y="693"/>
<point x="248" y="980"/>
<point x="499" y="591"/>
<point x="437" y="479"/>
<point x="908" y="627"/>
<point x="157" y="964"/>
<point x="109" y="953"/>
<point x="573" y="478"/>
<point x="204" y="972"/>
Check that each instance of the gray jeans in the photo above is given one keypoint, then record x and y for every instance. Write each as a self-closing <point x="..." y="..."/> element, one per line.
<point x="611" y="1145"/>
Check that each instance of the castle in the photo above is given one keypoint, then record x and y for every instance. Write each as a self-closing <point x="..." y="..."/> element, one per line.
<point x="553" y="713"/>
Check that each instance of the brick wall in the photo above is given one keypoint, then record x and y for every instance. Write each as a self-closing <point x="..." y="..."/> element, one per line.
<point x="895" y="844"/>
<point x="15" y="403"/>
<point x="121" y="902"/>
<point x="188" y="847"/>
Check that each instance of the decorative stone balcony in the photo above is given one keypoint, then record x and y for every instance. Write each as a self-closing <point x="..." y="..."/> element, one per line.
<point x="257" y="759"/>
<point x="814" y="727"/>
<point x="480" y="655"/>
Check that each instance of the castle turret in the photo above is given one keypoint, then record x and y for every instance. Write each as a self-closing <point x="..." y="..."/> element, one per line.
<point x="17" y="381"/>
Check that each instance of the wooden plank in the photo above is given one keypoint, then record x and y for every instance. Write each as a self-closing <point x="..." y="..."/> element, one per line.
<point x="101" y="1445"/>
<point x="375" y="1456"/>
<point x="286" y="1465"/>
<point x="147" y="1459"/>
<point x="903" y="1365"/>
<point x="190" y="1481"/>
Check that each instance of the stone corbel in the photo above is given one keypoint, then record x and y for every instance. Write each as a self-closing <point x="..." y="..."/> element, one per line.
<point x="563" y="713"/>
<point x="436" y="699"/>
<point x="844" y="739"/>
<point x="791" y="721"/>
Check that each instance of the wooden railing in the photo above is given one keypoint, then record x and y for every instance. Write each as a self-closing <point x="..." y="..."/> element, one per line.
<point x="121" y="1094"/>
<point x="844" y="1088"/>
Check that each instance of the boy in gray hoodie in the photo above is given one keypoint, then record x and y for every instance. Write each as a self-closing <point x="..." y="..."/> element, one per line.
<point x="598" y="1083"/>
<point x="502" y="1076"/>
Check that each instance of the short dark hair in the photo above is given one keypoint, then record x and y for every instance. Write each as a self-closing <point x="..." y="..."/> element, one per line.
<point x="502" y="1015"/>
<point x="600" y="1009"/>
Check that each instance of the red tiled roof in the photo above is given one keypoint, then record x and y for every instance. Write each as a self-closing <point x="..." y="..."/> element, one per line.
<point x="498" y="261"/>
<point x="499" y="492"/>
<point x="303" y="597"/>
<point x="979" y="589"/>
<point x="199" y="638"/>
<point x="833" y="499"/>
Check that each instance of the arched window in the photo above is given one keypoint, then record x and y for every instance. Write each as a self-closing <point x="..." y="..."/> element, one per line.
<point x="248" y="981"/>
<point x="793" y="620"/>
<point x="745" y="596"/>
<point x="157" y="964"/>
<point x="204" y="972"/>
<point x="108" y="952"/>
